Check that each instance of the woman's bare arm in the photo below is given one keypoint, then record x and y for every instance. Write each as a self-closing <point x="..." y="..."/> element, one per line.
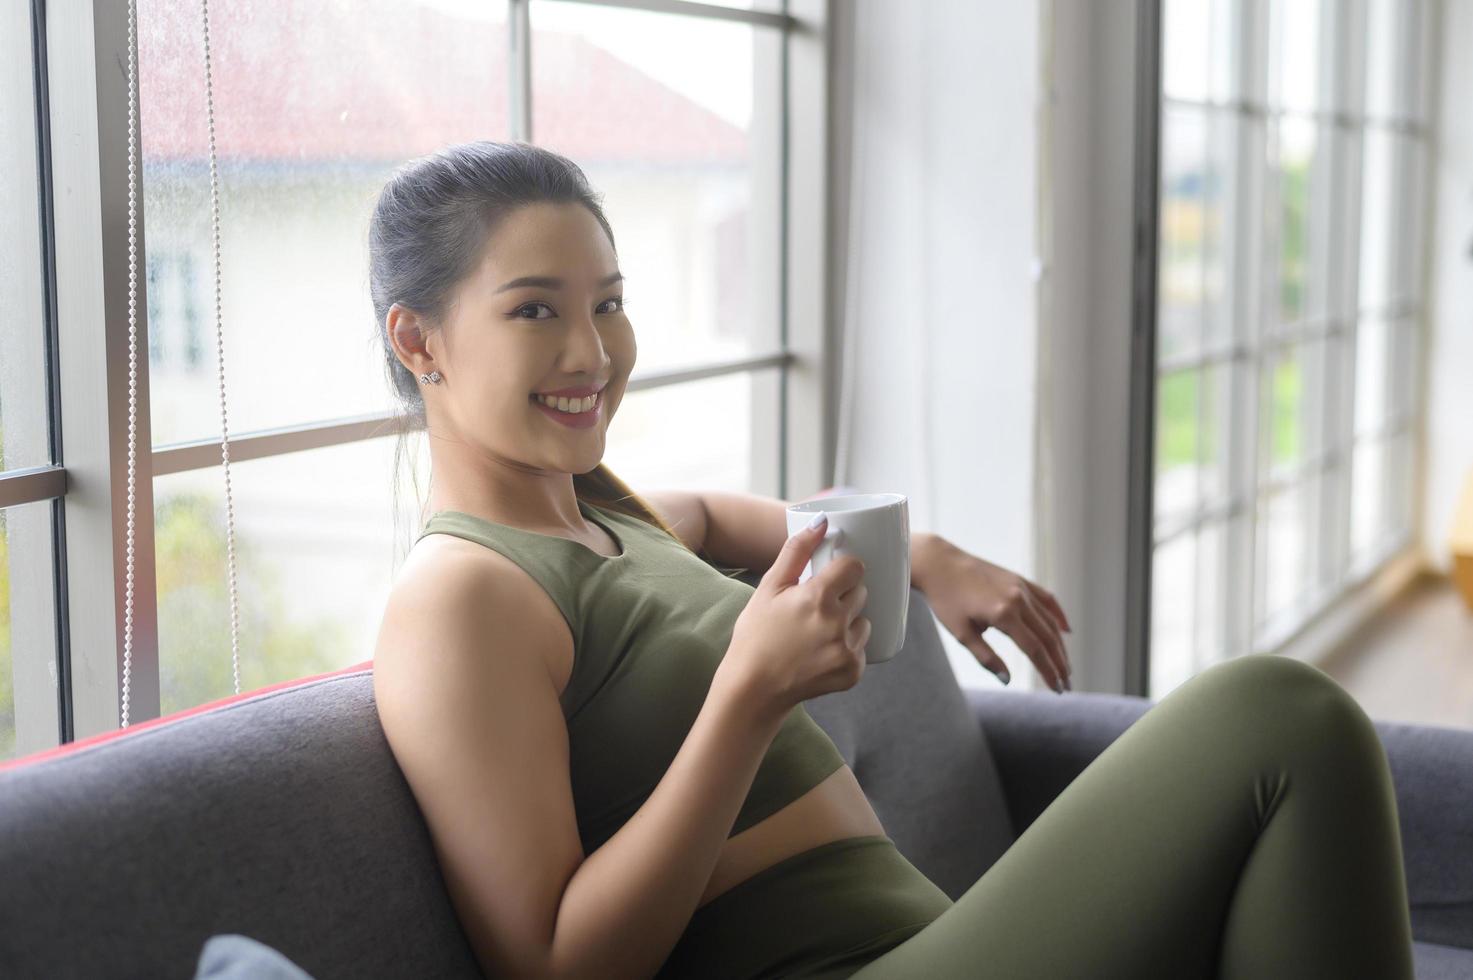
<point x="747" y="530"/>
<point x="630" y="900"/>
<point x="473" y="717"/>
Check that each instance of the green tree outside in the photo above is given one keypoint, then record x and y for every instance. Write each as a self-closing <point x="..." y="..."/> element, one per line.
<point x="1178" y="442"/>
<point x="194" y="612"/>
<point x="1177" y="436"/>
<point x="194" y="617"/>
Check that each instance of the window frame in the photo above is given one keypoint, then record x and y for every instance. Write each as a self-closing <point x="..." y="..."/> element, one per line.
<point x="87" y="261"/>
<point x="1324" y="468"/>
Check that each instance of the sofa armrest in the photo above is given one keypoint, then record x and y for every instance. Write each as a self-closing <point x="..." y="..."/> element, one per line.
<point x="1432" y="768"/>
<point x="1041" y="741"/>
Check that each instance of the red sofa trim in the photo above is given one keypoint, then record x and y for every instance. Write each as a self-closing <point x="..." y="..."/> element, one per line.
<point x="68" y="748"/>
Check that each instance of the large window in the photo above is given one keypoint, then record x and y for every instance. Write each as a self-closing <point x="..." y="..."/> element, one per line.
<point x="678" y="114"/>
<point x="1292" y="184"/>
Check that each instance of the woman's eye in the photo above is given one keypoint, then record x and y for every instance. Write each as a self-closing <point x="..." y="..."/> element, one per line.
<point x="604" y="307"/>
<point x="530" y="306"/>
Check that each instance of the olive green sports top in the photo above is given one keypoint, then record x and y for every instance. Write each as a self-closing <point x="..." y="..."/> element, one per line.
<point x="650" y="625"/>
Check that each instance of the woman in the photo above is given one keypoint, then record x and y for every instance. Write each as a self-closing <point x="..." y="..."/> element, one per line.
<point x="606" y="734"/>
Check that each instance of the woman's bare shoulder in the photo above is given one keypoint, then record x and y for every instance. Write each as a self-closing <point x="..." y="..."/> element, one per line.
<point x="441" y="567"/>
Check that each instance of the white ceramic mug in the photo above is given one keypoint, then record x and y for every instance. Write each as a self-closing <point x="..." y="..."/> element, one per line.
<point x="876" y="529"/>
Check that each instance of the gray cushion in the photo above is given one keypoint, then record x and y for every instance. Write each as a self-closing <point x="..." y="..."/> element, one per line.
<point x="1433" y="962"/>
<point x="922" y="759"/>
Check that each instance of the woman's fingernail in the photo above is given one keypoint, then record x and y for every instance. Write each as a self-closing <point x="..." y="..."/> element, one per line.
<point x="1058" y="685"/>
<point x="1004" y="676"/>
<point x="817" y="520"/>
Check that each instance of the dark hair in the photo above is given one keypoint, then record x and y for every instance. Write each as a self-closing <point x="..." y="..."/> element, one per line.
<point x="430" y="224"/>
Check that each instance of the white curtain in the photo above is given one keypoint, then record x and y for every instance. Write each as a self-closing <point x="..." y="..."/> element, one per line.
<point x="936" y="194"/>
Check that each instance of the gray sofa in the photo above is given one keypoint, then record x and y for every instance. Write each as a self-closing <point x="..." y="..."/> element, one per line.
<point x="282" y="816"/>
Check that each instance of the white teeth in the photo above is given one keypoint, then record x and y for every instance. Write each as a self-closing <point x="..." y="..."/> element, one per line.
<point x="572" y="406"/>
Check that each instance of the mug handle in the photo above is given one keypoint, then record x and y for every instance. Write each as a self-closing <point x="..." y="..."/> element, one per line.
<point x="824" y="552"/>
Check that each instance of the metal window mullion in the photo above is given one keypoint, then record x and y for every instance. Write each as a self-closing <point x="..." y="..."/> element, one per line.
<point x="1299" y="474"/>
<point x="31" y="484"/>
<point x="780" y="20"/>
<point x="1167" y="530"/>
<point x="806" y="407"/>
<point x="1252" y="26"/>
<point x="784" y="218"/>
<point x="38" y="656"/>
<point x="199" y="454"/>
<point x="1238" y="523"/>
<point x="1194" y="651"/>
<point x="1324" y="568"/>
<point x="1429" y="60"/>
<point x="87" y="56"/>
<point x="519" y="69"/>
<point x="1354" y="84"/>
<point x="1144" y="266"/>
<point x="1409" y="188"/>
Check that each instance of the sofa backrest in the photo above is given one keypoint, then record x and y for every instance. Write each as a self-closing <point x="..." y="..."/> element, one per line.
<point x="282" y="815"/>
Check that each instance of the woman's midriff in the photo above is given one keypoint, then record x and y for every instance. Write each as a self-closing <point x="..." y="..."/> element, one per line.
<point x="835" y="809"/>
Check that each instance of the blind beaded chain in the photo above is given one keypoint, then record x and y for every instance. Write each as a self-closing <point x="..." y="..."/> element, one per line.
<point x="133" y="348"/>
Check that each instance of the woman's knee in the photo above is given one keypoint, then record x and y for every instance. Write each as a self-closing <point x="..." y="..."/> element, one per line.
<point x="1298" y="697"/>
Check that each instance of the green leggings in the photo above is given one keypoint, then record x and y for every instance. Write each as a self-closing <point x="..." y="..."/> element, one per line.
<point x="1243" y="827"/>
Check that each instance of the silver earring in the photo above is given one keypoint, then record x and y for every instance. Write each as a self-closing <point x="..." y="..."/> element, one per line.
<point x="433" y="378"/>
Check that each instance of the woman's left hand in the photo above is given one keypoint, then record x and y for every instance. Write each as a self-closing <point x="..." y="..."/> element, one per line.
<point x="969" y="595"/>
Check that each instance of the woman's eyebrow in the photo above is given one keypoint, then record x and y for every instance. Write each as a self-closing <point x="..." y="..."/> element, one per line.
<point x="553" y="282"/>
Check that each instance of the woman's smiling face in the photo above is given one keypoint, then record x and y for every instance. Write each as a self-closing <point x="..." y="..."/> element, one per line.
<point x="541" y="311"/>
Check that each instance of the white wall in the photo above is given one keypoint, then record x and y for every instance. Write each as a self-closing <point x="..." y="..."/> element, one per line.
<point x="1450" y="320"/>
<point x="940" y="307"/>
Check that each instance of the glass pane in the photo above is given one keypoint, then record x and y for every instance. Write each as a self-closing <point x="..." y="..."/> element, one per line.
<point x="1419" y="103"/>
<point x="1400" y="481"/>
<point x="1198" y="49"/>
<point x="677" y="121"/>
<point x="1298" y="218"/>
<point x="1219" y="196"/>
<point x="28" y="723"/>
<point x="715" y="434"/>
<point x="1343" y="206"/>
<point x="1406" y="282"/>
<point x="1294" y="67"/>
<point x="1290" y="420"/>
<point x="1177" y="449"/>
<point x="1367" y="498"/>
<point x="1406" y="340"/>
<point x="313" y="112"/>
<point x="23" y="392"/>
<point x="1184" y="216"/>
<point x="1285" y="548"/>
<point x="1379" y="208"/>
<point x="1173" y="592"/>
<point x="1214" y="448"/>
<point x="1372" y="369"/>
<point x="1386" y="22"/>
<point x="1211" y="594"/>
<point x="315" y="539"/>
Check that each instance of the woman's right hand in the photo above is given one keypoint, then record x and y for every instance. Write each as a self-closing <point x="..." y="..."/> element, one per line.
<point x="793" y="642"/>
